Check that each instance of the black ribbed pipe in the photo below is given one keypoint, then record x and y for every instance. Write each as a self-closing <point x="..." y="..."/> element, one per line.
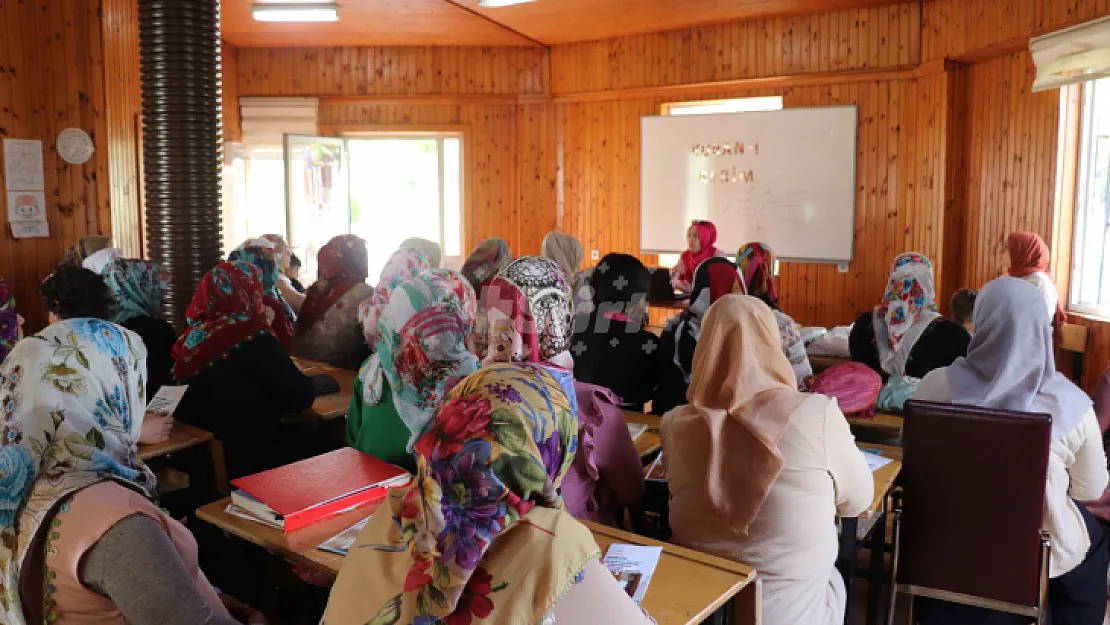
<point x="179" y="46"/>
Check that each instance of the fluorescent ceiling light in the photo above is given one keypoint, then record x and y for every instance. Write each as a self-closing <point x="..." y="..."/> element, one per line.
<point x="500" y="3"/>
<point x="296" y="12"/>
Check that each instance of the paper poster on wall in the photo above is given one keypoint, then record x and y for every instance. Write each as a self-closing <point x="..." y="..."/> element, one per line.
<point x="23" y="170"/>
<point x="27" y="214"/>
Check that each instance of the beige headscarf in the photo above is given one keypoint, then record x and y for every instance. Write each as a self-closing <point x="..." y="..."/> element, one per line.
<point x="742" y="394"/>
<point x="431" y="249"/>
<point x="567" y="252"/>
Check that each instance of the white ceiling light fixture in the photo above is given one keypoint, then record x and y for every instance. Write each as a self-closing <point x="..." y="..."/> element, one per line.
<point x="289" y="12"/>
<point x="492" y="4"/>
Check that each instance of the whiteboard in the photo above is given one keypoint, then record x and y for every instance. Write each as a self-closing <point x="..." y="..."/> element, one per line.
<point x="800" y="198"/>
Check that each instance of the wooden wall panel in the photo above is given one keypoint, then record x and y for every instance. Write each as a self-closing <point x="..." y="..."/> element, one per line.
<point x="53" y="58"/>
<point x="1011" y="156"/>
<point x="887" y="36"/>
<point x="953" y="28"/>
<point x="123" y="112"/>
<point x="233" y="130"/>
<point x="374" y="70"/>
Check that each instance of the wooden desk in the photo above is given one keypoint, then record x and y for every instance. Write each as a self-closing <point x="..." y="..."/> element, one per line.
<point x="889" y="451"/>
<point x="820" y="363"/>
<point x="332" y="406"/>
<point x="650" y="441"/>
<point x="184" y="436"/>
<point x="887" y="424"/>
<point x="687" y="586"/>
<point x="884" y="481"/>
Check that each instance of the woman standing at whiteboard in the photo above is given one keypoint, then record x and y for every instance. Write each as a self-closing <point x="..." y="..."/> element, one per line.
<point x="700" y="238"/>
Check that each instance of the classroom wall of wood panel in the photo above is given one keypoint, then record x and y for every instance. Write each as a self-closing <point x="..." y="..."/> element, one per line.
<point x="53" y="76"/>
<point x="229" y="57"/>
<point x="123" y="111"/>
<point x="510" y="143"/>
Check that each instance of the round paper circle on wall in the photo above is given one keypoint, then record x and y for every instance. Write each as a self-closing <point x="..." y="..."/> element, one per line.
<point x="75" y="146"/>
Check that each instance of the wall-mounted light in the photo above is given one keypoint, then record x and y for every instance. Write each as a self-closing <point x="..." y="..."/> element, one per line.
<point x="500" y="3"/>
<point x="327" y="12"/>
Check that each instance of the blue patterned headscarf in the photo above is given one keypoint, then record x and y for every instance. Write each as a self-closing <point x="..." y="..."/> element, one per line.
<point x="72" y="400"/>
<point x="139" y="287"/>
<point x="265" y="259"/>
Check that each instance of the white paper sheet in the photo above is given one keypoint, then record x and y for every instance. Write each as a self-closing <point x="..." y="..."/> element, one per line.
<point x="167" y="399"/>
<point x="633" y="566"/>
<point x="23" y="169"/>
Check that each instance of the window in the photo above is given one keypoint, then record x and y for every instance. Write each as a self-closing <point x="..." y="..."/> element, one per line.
<point x="709" y="107"/>
<point x="383" y="187"/>
<point x="1090" y="291"/>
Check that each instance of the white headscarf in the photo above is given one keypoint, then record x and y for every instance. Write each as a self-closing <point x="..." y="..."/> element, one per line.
<point x="431" y="249"/>
<point x="1010" y="363"/>
<point x="97" y="261"/>
<point x="909" y="306"/>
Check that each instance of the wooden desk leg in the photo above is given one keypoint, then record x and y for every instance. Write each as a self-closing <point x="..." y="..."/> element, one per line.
<point x="747" y="607"/>
<point x="219" y="467"/>
<point x="846" y="559"/>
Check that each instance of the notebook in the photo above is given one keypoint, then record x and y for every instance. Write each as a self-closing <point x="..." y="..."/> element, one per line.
<point x="305" y="492"/>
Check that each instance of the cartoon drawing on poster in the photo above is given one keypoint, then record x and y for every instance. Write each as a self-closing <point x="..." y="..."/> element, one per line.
<point x="27" y="214"/>
<point x="23" y="170"/>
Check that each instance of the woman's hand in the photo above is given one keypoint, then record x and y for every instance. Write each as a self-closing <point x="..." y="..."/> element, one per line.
<point x="243" y="612"/>
<point x="156" y="428"/>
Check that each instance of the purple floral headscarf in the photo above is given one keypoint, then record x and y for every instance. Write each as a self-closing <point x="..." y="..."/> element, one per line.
<point x="9" y="320"/>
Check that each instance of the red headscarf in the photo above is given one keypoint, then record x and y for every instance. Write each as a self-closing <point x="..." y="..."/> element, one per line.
<point x="341" y="264"/>
<point x="707" y="235"/>
<point x="1029" y="254"/>
<point x="226" y="310"/>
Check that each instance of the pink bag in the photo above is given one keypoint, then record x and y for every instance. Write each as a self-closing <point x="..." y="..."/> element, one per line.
<point x="854" y="385"/>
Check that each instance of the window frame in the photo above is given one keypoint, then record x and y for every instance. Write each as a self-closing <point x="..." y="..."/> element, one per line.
<point x="1077" y="118"/>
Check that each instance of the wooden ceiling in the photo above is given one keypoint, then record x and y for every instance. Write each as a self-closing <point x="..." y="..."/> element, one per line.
<point x="542" y="22"/>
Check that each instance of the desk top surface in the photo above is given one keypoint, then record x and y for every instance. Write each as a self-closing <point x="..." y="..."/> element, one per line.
<point x="183" y="436"/>
<point x="332" y="406"/>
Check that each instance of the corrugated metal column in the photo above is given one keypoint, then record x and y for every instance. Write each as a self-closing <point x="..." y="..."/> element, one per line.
<point x="179" y="42"/>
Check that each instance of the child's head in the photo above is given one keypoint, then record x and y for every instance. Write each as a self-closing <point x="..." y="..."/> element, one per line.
<point x="294" y="267"/>
<point x="963" y="306"/>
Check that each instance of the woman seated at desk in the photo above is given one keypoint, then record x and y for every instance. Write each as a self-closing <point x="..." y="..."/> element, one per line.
<point x="421" y="350"/>
<point x="283" y="315"/>
<point x="756" y="263"/>
<point x="240" y="379"/>
<point x="905" y="335"/>
<point x="1010" y="366"/>
<point x="715" y="278"/>
<point x="328" y="329"/>
<point x="80" y="514"/>
<point x="402" y="266"/>
<point x="139" y="287"/>
<point x="700" y="237"/>
<point x="508" y="552"/>
<point x="611" y="348"/>
<point x="72" y="292"/>
<point x="776" y="509"/>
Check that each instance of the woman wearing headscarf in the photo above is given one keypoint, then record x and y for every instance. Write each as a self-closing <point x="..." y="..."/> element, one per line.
<point x="505" y="550"/>
<point x="283" y="315"/>
<point x="758" y="471"/>
<point x="282" y="256"/>
<point x="430" y="249"/>
<point x="700" y="237"/>
<point x="1010" y="366"/>
<point x="139" y="287"/>
<point x="84" y="248"/>
<point x="421" y="352"/>
<point x="82" y="540"/>
<point x="241" y="381"/>
<point x="567" y="252"/>
<point x="402" y="266"/>
<point x="905" y="335"/>
<point x="328" y="329"/>
<point x="1101" y="507"/>
<point x="11" y="322"/>
<point x="715" y="278"/>
<point x="610" y="347"/>
<point x="1029" y="260"/>
<point x="485" y="262"/>
<point x="530" y="321"/>
<point x="97" y="261"/>
<point x="756" y="263"/>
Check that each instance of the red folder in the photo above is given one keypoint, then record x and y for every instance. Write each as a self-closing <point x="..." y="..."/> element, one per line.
<point x="315" y="489"/>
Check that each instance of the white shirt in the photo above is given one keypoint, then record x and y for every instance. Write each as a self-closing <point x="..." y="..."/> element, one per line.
<point x="1047" y="288"/>
<point x="1076" y="470"/>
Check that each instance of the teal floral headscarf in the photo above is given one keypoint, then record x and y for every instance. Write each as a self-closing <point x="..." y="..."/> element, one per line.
<point x="72" y="400"/>
<point x="422" y="346"/>
<point x="266" y="260"/>
<point x="138" y="285"/>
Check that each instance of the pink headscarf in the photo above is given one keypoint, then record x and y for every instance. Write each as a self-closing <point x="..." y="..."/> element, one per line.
<point x="707" y="235"/>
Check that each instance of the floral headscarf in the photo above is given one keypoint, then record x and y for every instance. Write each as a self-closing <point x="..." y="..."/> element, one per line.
<point x="226" y="310"/>
<point x="489" y="469"/>
<point x="486" y="262"/>
<point x="265" y="259"/>
<point x="9" y="320"/>
<point x="549" y="314"/>
<point x="756" y="263"/>
<point x="73" y="400"/>
<point x="909" y="306"/>
<point x="422" y="349"/>
<point x="341" y="264"/>
<point x="431" y="249"/>
<point x="403" y="265"/>
<point x="139" y="287"/>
